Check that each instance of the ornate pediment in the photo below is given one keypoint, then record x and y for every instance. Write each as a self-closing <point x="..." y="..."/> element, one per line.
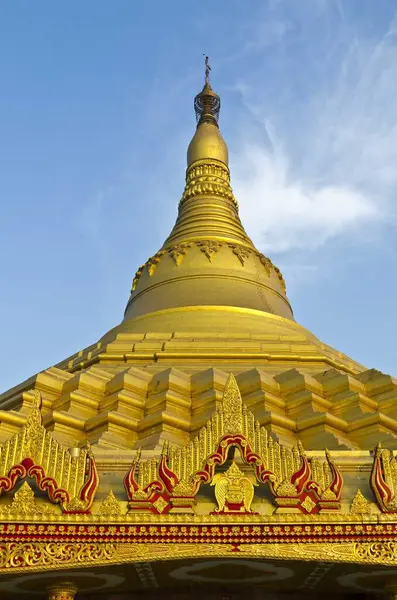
<point x="175" y="478"/>
<point x="32" y="453"/>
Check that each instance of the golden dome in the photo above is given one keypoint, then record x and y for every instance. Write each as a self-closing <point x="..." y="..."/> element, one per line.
<point x="207" y="143"/>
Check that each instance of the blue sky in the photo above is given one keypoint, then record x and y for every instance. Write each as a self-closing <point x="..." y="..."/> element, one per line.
<point x="96" y="112"/>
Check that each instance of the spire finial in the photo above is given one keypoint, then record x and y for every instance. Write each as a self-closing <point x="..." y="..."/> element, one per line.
<point x="207" y="103"/>
<point x="207" y="71"/>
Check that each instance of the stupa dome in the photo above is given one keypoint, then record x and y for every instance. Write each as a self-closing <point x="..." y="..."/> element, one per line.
<point x="207" y="143"/>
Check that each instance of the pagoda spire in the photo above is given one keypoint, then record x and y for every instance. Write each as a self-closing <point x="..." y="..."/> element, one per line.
<point x="207" y="103"/>
<point x="208" y="258"/>
<point x="208" y="208"/>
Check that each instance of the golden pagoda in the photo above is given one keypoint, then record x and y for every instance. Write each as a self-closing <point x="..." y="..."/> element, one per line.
<point x="207" y="444"/>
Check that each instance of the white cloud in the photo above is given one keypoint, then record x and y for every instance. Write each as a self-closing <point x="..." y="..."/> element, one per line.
<point x="326" y="163"/>
<point x="281" y="212"/>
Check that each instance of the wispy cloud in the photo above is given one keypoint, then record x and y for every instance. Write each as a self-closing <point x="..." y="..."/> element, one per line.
<point x="323" y="166"/>
<point x="282" y="211"/>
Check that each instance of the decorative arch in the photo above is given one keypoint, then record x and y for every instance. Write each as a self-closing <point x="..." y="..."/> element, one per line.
<point x="32" y="453"/>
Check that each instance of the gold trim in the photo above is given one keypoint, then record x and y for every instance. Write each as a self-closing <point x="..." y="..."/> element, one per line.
<point x="39" y="556"/>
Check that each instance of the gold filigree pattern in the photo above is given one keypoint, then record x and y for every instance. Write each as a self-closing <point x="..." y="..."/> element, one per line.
<point x="37" y="556"/>
<point x="24" y="505"/>
<point x="308" y="504"/>
<point x="41" y="555"/>
<point x="286" y="488"/>
<point x="110" y="507"/>
<point x="233" y="408"/>
<point x="160" y="504"/>
<point x="383" y="552"/>
<point x="360" y="505"/>
<point x="33" y="452"/>
<point x="295" y="481"/>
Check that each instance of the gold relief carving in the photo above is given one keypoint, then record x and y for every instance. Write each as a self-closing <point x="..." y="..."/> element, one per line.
<point x="184" y="488"/>
<point x="233" y="407"/>
<point x="328" y="495"/>
<point x="383" y="552"/>
<point x="178" y="252"/>
<point x="139" y="494"/>
<point x="286" y="488"/>
<point x="266" y="262"/>
<point x="209" y="248"/>
<point x="281" y="279"/>
<point x="24" y="504"/>
<point x="64" y="590"/>
<point x="295" y="481"/>
<point x="360" y="505"/>
<point x="110" y="507"/>
<point x="205" y="177"/>
<point x="160" y="504"/>
<point x="137" y="276"/>
<point x="34" y="556"/>
<point x="154" y="261"/>
<point x="345" y="552"/>
<point x="241" y="252"/>
<point x="41" y="555"/>
<point x="384" y="479"/>
<point x="234" y="491"/>
<point x="308" y="504"/>
<point x="33" y="453"/>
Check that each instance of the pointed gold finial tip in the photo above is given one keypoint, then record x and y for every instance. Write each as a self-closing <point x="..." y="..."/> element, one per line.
<point x="207" y="143"/>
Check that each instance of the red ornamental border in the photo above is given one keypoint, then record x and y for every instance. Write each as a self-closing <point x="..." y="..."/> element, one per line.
<point x="163" y="487"/>
<point x="27" y="469"/>
<point x="228" y="534"/>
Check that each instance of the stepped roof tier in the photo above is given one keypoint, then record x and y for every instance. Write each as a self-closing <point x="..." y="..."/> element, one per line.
<point x="208" y="426"/>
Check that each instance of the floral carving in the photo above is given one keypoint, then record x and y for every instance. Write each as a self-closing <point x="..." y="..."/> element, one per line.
<point x="136" y="278"/>
<point x="110" y="507"/>
<point x="154" y="261"/>
<point x="209" y="178"/>
<point x="178" y="252"/>
<point x="360" y="505"/>
<point x="209" y="248"/>
<point x="241" y="252"/>
<point x="24" y="504"/>
<point x="266" y="262"/>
